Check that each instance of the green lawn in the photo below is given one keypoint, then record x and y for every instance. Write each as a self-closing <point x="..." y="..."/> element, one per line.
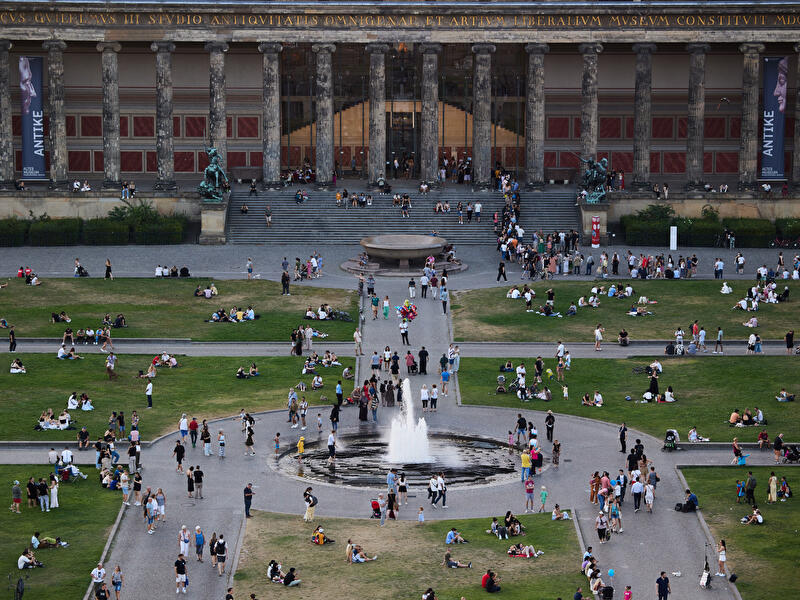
<point x="487" y="315"/>
<point x="204" y="387"/>
<point x="409" y="558"/>
<point x="707" y="389"/>
<point x="84" y="519"/>
<point x="167" y="308"/>
<point x="764" y="557"/>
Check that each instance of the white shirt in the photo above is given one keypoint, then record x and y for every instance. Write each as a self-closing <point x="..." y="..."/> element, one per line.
<point x="520" y="371"/>
<point x="149" y="389"/>
<point x="61" y="352"/>
<point x="98" y="575"/>
<point x="331" y="440"/>
<point x="433" y="484"/>
<point x="22" y="561"/>
<point x="560" y="350"/>
<point x="66" y="456"/>
<point x="184" y="425"/>
<point x="423" y="394"/>
<point x="440" y="484"/>
<point x="598" y="335"/>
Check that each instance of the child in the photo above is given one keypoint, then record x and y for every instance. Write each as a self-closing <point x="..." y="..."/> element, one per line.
<point x="301" y="447"/>
<point x="628" y="594"/>
<point x="277" y="441"/>
<point x="565" y="387"/>
<point x="319" y="422"/>
<point x="421" y="516"/>
<point x="510" y="442"/>
<point x="739" y="491"/>
<point x="543" y="495"/>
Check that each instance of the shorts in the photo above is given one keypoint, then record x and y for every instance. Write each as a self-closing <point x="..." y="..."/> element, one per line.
<point x="125" y="490"/>
<point x="150" y="520"/>
<point x="118" y="585"/>
<point x="331" y="451"/>
<point x="162" y="509"/>
<point x="221" y="558"/>
<point x="180" y="578"/>
<point x="529" y="495"/>
<point x="250" y="269"/>
<point x="184" y="432"/>
<point x="17" y="501"/>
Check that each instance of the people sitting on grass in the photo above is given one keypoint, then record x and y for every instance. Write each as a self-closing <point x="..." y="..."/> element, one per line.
<point x="513" y="525"/>
<point x="330" y="359"/>
<point x="454" y="537"/>
<point x="37" y="542"/>
<point x="61" y="317"/>
<point x="33" y="279"/>
<point x="751" y="322"/>
<point x="784" y="396"/>
<point x="274" y="572"/>
<point x="316" y="383"/>
<point x="695" y="437"/>
<point x="596" y="399"/>
<point x="558" y="514"/>
<point x="496" y="528"/>
<point x="242" y="374"/>
<point x="319" y="537"/>
<point x="489" y="582"/>
<point x="86" y="402"/>
<point x="755" y="518"/>
<point x="27" y="560"/>
<point x="528" y="551"/>
<point x="17" y="367"/>
<point x="358" y="555"/>
<point x="450" y="563"/>
<point x="690" y="502"/>
<point x="638" y="311"/>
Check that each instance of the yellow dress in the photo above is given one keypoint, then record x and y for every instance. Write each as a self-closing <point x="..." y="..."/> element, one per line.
<point x="773" y="489"/>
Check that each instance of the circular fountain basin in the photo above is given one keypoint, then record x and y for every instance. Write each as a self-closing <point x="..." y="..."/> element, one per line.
<point x="361" y="462"/>
<point x="401" y="247"/>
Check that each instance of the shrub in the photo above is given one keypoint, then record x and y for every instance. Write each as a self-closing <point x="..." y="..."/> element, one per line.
<point x="13" y="231"/>
<point x="788" y="229"/>
<point x="55" y="232"/>
<point x="105" y="232"/>
<point x="165" y="231"/>
<point x="656" y="212"/>
<point x="751" y="233"/>
<point x="647" y="233"/>
<point x="697" y="232"/>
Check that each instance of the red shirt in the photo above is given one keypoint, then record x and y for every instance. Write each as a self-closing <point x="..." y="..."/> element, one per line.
<point x="193" y="425"/>
<point x="529" y="485"/>
<point x="484" y="579"/>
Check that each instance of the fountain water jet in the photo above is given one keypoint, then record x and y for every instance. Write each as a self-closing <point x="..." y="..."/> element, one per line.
<point x="408" y="440"/>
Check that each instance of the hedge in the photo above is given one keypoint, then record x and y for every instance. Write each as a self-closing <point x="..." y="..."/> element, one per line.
<point x="105" y="232"/>
<point x="13" y="231"/>
<point x="55" y="232"/>
<point x="166" y="231"/>
<point x="751" y="233"/>
<point x="697" y="232"/>
<point x="647" y="233"/>
<point x="788" y="229"/>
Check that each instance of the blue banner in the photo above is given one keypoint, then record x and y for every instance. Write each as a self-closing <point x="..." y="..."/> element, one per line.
<point x="776" y="74"/>
<point x="30" y="84"/>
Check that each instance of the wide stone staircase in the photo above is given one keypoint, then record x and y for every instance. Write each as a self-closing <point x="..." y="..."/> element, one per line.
<point x="548" y="210"/>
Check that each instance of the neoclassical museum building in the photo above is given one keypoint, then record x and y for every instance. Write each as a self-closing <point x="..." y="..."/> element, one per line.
<point x="666" y="90"/>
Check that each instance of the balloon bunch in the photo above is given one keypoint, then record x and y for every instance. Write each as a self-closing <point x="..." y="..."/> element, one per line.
<point x="407" y="311"/>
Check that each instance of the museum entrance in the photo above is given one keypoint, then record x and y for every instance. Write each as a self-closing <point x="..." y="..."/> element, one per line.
<point x="403" y="108"/>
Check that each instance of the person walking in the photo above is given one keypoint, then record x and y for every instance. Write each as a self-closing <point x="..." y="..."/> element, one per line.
<point x="198" y="482"/>
<point x="12" y="339"/>
<point x="117" y="581"/>
<point x="221" y="443"/>
<point x="179" y="451"/>
<point x="222" y="554"/>
<point x="111" y="363"/>
<point x="662" y="586"/>
<point x="549" y="424"/>
<point x="501" y="271"/>
<point x="444" y="297"/>
<point x="637" y="488"/>
<point x="183" y="540"/>
<point x="412" y="288"/>
<point x="623" y="436"/>
<point x="649" y="496"/>
<point x="109" y="274"/>
<point x="180" y="574"/>
<point x="382" y="509"/>
<point x="386" y="308"/>
<point x="249" y="267"/>
<point x="357" y="341"/>
<point x="248" y="498"/>
<point x="598" y="336"/>
<point x="718" y="344"/>
<point x="199" y="543"/>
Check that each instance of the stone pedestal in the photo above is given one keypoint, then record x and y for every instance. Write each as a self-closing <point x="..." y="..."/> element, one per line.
<point x="429" y="144"/>
<point x="376" y="161"/>
<point x="695" y="129"/>
<point x="110" y="69"/>
<point x="217" y="113"/>
<point x="534" y="116"/>
<point x="165" y="152"/>
<point x="482" y="116"/>
<point x="748" y="149"/>
<point x="642" y="126"/>
<point x="271" y="115"/>
<point x="212" y="223"/>
<point x="588" y="211"/>
<point x="58" y="119"/>
<point x="589" y="96"/>
<point x="6" y="132"/>
<point x="324" y="125"/>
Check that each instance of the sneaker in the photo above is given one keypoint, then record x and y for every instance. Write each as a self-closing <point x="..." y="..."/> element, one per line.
<point x="469" y="566"/>
<point x="184" y="590"/>
<point x="443" y="506"/>
<point x="434" y="506"/>
<point x="302" y="429"/>
<point x="375" y="557"/>
<point x="178" y="590"/>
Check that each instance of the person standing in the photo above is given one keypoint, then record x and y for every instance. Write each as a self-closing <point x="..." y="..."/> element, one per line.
<point x="308" y="335"/>
<point x="111" y="363"/>
<point x="789" y="339"/>
<point x="718" y="344"/>
<point x="193" y="426"/>
<point x="598" y="336"/>
<point x="662" y="586"/>
<point x="445" y="381"/>
<point x="179" y="451"/>
<point x="109" y="274"/>
<point x="412" y="288"/>
<point x="601" y="526"/>
<point x="332" y="447"/>
<point x="183" y="540"/>
<point x="750" y="488"/>
<point x="311" y="504"/>
<point x="386" y="308"/>
<point x="205" y="439"/>
<point x="98" y="576"/>
<point x="423" y="285"/>
<point x="501" y="271"/>
<point x="357" y="340"/>
<point x="180" y="574"/>
<point x="285" y="284"/>
<point x="404" y="332"/>
<point x="423" y="361"/>
<point x="382" y="509"/>
<point x="199" y="543"/>
<point x="148" y="391"/>
<point x="549" y="424"/>
<point x="249" y="268"/>
<point x="248" y="498"/>
<point x="444" y="297"/>
<point x="198" y="482"/>
<point x="623" y="437"/>
<point x="722" y="552"/>
<point x="12" y="339"/>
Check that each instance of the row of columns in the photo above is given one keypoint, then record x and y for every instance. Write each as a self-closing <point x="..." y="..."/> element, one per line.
<point x="429" y="148"/>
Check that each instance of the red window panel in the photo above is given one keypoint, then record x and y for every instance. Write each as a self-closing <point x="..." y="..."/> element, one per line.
<point x="576" y="128"/>
<point x="79" y="161"/>
<point x="71" y="127"/>
<point x="123" y="127"/>
<point x="683" y="127"/>
<point x="727" y="162"/>
<point x="622" y="161"/>
<point x="16" y="125"/>
<point x="176" y="127"/>
<point x="202" y="161"/>
<point x="91" y="126"/>
<point x="151" y="159"/>
<point x="343" y="155"/>
<point x="229" y="127"/>
<point x="628" y="128"/>
<point x="98" y="161"/>
<point x="309" y="153"/>
<point x="463" y="151"/>
<point x="236" y="159"/>
<point x="131" y="161"/>
<point x="601" y="154"/>
<point x="567" y="160"/>
<point x="515" y="156"/>
<point x="558" y="128"/>
<point x="184" y="162"/>
<point x="674" y="162"/>
<point x="663" y="127"/>
<point x="734" y="129"/>
<point x="194" y="127"/>
<point x="247" y="127"/>
<point x="610" y="128"/>
<point x="550" y="159"/>
<point x="144" y="126"/>
<point x="714" y="127"/>
<point x="708" y="162"/>
<point x="362" y="153"/>
<point x="655" y="162"/>
<point x="257" y="159"/>
<point x="497" y="156"/>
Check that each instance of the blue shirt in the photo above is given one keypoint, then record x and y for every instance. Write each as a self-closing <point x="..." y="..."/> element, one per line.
<point x="445" y="376"/>
<point x="451" y="535"/>
<point x="391" y="480"/>
<point x="338" y="388"/>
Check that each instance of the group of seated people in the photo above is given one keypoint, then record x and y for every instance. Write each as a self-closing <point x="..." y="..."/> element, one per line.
<point x="17" y="367"/>
<point x="595" y="399"/>
<point x="236" y="315"/>
<point x="83" y="402"/>
<point x="48" y="420"/>
<point x="319" y="537"/>
<point x="61" y="317"/>
<point x="329" y="359"/>
<point x="77" y="186"/>
<point x="354" y="553"/>
<point x="165" y="359"/>
<point x="300" y="196"/>
<point x="668" y="396"/>
<point x="276" y="575"/>
<point x="784" y="396"/>
<point x="746" y="418"/>
<point x="441" y="207"/>
<point x="27" y="560"/>
<point x="32" y="279"/>
<point x="64" y="354"/>
<point x="509" y="527"/>
<point x="206" y="292"/>
<point x="166" y="271"/>
<point x="245" y="373"/>
<point x="591" y="568"/>
<point x="755" y="518"/>
<point x="323" y="313"/>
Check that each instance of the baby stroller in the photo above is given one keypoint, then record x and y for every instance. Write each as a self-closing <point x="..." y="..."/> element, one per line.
<point x="81" y="272"/>
<point x="791" y="454"/>
<point x="669" y="441"/>
<point x="413" y="369"/>
<point x="376" y="509"/>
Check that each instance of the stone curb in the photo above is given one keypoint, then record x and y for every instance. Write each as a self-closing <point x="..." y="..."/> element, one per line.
<point x="237" y="552"/>
<point x="111" y="536"/>
<point x="705" y="528"/>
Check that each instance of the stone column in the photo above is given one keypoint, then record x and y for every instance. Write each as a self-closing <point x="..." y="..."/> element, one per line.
<point x="324" y="115"/>
<point x="165" y="151"/>
<point x="6" y="131"/>
<point x="534" y="115"/>
<point x="429" y="142"/>
<point x="695" y="129"/>
<point x="217" y="121"/>
<point x="110" y="68"/>
<point x="271" y="114"/>
<point x="58" y="120"/>
<point x="748" y="146"/>
<point x="589" y="95"/>
<point x="482" y="115"/>
<point x="642" y="125"/>
<point x="376" y="164"/>
<point x="796" y="149"/>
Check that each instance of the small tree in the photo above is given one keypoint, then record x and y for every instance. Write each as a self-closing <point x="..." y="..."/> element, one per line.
<point x="656" y="212"/>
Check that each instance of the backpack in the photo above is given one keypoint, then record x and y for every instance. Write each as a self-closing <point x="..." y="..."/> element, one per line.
<point x="221" y="547"/>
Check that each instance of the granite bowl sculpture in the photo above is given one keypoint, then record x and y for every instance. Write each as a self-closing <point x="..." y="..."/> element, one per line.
<point x="401" y="247"/>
